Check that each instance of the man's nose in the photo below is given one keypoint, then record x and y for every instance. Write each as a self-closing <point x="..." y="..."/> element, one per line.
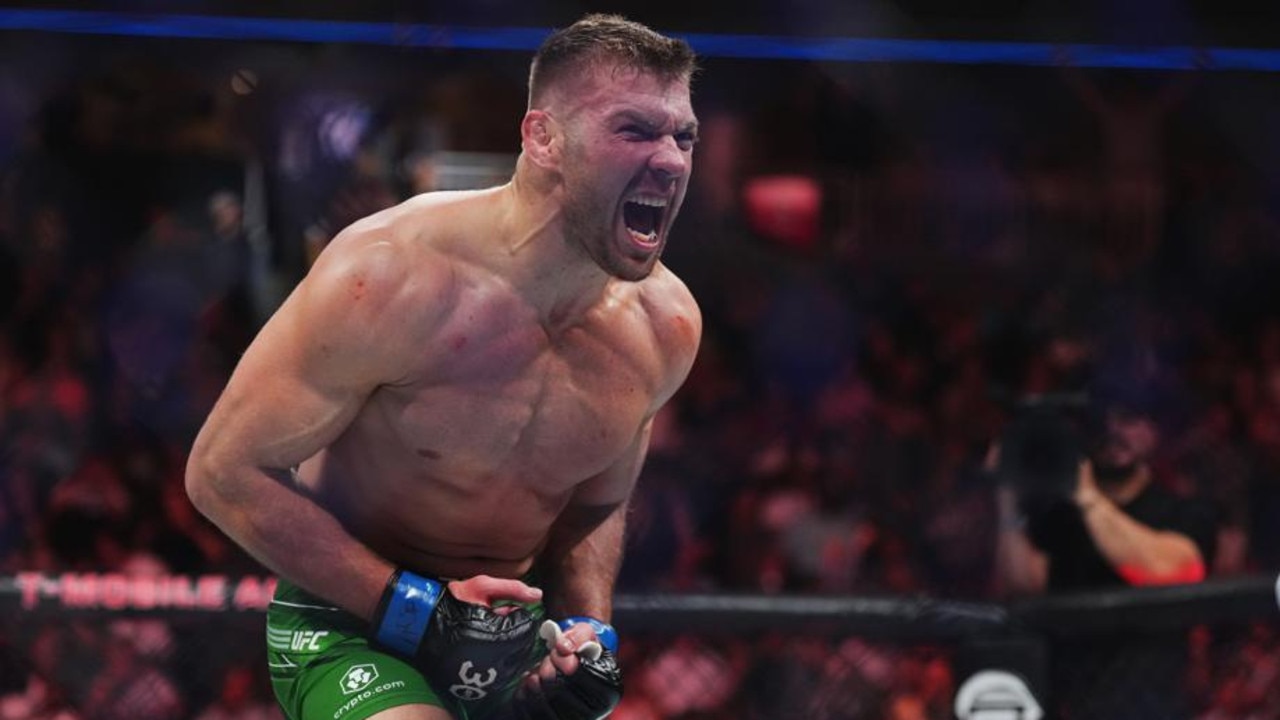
<point x="669" y="161"/>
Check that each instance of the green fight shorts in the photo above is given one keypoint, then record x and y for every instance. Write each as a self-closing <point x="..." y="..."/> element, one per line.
<point x="324" y="667"/>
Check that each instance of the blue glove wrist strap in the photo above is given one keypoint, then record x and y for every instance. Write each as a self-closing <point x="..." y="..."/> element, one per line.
<point x="407" y="605"/>
<point x="604" y="631"/>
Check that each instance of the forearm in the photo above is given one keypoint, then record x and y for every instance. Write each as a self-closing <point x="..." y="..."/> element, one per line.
<point x="291" y="535"/>
<point x="1020" y="567"/>
<point x="1139" y="553"/>
<point x="581" y="561"/>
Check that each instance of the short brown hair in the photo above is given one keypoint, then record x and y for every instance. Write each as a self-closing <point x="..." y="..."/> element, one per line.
<point x="598" y="38"/>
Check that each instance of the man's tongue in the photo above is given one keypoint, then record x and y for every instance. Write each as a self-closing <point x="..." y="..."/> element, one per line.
<point x="641" y="219"/>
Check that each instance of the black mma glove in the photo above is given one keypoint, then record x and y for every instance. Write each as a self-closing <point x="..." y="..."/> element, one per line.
<point x="591" y="693"/>
<point x="464" y="649"/>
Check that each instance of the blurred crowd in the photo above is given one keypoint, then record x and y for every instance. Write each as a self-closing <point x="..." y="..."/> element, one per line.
<point x="887" y="257"/>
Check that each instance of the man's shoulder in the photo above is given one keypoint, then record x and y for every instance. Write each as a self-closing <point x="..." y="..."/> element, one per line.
<point x="664" y="292"/>
<point x="427" y="219"/>
<point x="384" y="269"/>
<point x="675" y="318"/>
<point x="414" y="244"/>
<point x="1159" y="506"/>
<point x="382" y="261"/>
<point x="1158" y="496"/>
<point x="447" y="203"/>
<point x="1196" y="517"/>
<point x="669" y="305"/>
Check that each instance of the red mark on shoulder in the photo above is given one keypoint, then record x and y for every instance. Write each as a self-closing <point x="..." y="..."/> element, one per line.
<point x="357" y="291"/>
<point x="459" y="342"/>
<point x="683" y="325"/>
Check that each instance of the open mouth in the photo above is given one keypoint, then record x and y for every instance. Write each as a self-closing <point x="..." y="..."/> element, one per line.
<point x="643" y="218"/>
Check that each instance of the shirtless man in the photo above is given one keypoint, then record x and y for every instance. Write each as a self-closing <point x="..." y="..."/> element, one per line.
<point x="456" y="401"/>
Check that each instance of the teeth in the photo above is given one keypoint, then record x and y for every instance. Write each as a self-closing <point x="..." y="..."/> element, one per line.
<point x="651" y="202"/>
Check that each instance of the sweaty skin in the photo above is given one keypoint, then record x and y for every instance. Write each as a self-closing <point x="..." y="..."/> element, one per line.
<point x="465" y="382"/>
<point x="461" y="462"/>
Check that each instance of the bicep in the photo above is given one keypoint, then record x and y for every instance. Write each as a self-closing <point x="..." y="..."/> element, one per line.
<point x="1181" y="556"/>
<point x="280" y="406"/>
<point x="1174" y="560"/>
<point x="309" y="372"/>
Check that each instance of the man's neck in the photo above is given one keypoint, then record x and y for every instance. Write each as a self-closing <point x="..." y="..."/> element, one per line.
<point x="558" y="279"/>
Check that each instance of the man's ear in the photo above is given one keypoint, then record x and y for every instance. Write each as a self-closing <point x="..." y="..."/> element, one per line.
<point x="539" y="137"/>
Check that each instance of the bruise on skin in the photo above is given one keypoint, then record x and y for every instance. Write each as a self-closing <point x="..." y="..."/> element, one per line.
<point x="428" y="454"/>
<point x="683" y="326"/>
<point x="357" y="291"/>
<point x="459" y="342"/>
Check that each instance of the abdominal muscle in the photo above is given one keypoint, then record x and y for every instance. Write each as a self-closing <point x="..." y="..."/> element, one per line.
<point x="493" y="525"/>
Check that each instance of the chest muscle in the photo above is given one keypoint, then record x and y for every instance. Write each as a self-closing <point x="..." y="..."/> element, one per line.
<point x="554" y="415"/>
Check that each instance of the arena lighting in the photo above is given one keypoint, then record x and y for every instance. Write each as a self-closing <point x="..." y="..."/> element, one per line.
<point x="709" y="45"/>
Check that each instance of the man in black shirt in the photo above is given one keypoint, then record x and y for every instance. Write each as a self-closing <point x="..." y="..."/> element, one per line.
<point x="1114" y="526"/>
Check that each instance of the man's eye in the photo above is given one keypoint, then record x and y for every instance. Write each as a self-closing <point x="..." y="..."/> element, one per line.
<point x="635" y="132"/>
<point x="686" y="140"/>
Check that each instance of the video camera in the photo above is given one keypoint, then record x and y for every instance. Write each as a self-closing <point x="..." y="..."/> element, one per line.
<point x="1042" y="446"/>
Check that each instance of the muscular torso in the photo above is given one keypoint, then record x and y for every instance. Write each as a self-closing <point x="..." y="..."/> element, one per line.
<point x="461" y="467"/>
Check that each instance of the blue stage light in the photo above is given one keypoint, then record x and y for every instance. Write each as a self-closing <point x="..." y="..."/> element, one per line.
<point x="707" y="44"/>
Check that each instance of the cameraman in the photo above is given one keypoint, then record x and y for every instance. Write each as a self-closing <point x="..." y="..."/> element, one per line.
<point x="1081" y="509"/>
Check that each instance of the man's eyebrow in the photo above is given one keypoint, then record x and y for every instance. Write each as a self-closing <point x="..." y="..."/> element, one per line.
<point x="647" y="122"/>
<point x="634" y="116"/>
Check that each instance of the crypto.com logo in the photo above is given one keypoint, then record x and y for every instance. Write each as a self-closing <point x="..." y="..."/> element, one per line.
<point x="358" y="677"/>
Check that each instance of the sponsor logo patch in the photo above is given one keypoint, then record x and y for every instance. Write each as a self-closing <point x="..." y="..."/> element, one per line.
<point x="358" y="677"/>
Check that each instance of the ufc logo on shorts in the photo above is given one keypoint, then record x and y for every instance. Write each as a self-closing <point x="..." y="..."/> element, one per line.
<point x="473" y="685"/>
<point x="307" y="640"/>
